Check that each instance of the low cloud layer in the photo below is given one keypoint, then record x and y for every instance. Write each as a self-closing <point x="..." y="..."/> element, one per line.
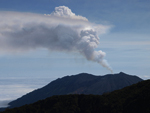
<point x="61" y="30"/>
<point x="4" y="103"/>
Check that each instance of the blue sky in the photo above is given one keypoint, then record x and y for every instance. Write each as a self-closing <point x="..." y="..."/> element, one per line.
<point x="126" y="43"/>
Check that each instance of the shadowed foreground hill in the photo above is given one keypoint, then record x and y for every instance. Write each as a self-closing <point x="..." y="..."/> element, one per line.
<point x="132" y="99"/>
<point x="78" y="84"/>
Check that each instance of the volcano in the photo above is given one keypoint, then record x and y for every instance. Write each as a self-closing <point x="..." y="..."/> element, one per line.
<point x="82" y="83"/>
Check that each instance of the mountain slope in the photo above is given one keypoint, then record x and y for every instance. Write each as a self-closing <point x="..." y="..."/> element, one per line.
<point x="132" y="99"/>
<point x="78" y="84"/>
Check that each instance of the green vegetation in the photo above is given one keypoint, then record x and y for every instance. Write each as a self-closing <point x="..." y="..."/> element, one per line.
<point x="132" y="99"/>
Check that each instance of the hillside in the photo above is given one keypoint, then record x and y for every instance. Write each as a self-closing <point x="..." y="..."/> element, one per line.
<point x="132" y="99"/>
<point x="78" y="84"/>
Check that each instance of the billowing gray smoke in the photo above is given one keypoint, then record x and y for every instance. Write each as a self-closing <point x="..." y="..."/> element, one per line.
<point x="61" y="30"/>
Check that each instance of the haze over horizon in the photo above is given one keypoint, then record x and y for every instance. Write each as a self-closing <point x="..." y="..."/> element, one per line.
<point x="122" y="26"/>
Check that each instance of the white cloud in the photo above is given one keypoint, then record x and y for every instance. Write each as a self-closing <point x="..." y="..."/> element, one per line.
<point x="61" y="30"/>
<point x="63" y="11"/>
<point x="9" y="92"/>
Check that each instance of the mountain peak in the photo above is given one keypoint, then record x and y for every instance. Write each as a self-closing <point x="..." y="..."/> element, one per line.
<point x="122" y="73"/>
<point x="82" y="83"/>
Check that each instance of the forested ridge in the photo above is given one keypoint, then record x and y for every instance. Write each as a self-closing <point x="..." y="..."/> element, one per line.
<point x="131" y="99"/>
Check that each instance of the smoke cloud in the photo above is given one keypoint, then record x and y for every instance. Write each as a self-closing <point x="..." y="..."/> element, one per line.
<point x="61" y="30"/>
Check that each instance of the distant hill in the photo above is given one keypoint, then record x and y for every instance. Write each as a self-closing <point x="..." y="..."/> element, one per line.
<point x="78" y="84"/>
<point x="131" y="99"/>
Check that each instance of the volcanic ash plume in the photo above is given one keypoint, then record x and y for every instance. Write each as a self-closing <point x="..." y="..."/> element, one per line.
<point x="61" y="30"/>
